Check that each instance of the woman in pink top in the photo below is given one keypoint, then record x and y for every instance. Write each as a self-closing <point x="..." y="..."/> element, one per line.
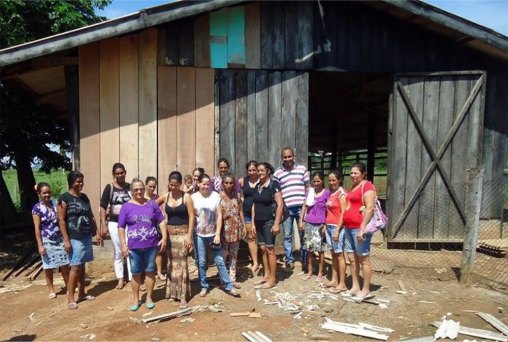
<point x="359" y="210"/>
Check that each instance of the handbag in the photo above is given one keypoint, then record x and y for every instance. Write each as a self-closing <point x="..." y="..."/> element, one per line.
<point x="378" y="221"/>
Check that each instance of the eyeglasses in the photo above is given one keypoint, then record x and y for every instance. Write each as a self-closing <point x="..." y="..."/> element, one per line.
<point x="137" y="190"/>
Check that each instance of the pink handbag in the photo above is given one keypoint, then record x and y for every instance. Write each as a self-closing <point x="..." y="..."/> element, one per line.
<point x="378" y="220"/>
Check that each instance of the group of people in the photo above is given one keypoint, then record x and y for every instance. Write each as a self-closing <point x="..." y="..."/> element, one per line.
<point x="209" y="215"/>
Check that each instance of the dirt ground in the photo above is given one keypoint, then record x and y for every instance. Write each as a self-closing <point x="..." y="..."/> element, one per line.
<point x="28" y="314"/>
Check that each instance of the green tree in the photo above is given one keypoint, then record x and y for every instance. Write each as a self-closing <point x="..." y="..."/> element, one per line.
<point x="27" y="130"/>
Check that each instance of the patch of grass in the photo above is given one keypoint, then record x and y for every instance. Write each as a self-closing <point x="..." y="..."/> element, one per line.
<point x="57" y="180"/>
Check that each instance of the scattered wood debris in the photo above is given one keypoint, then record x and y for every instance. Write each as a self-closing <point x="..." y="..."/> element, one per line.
<point x="88" y="337"/>
<point x="187" y="320"/>
<point x="484" y="334"/>
<point x="256" y="336"/>
<point x="167" y="316"/>
<point x="496" y="323"/>
<point x="403" y="289"/>
<point x="355" y="329"/>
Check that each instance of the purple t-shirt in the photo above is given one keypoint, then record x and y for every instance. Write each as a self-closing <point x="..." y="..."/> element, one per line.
<point x="316" y="214"/>
<point x="49" y="221"/>
<point x="140" y="222"/>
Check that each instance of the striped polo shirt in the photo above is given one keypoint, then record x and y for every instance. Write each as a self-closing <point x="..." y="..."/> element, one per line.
<point x="292" y="183"/>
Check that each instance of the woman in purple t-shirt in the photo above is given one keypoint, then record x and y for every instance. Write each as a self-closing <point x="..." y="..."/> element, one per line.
<point x="140" y="217"/>
<point x="314" y="216"/>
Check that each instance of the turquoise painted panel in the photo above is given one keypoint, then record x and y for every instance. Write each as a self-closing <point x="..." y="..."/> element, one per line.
<point x="236" y="36"/>
<point x="219" y="39"/>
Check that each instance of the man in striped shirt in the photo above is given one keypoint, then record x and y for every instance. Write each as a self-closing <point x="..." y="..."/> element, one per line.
<point x="294" y="182"/>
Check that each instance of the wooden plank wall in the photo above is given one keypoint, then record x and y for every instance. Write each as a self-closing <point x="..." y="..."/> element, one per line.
<point x="186" y="120"/>
<point x="260" y="113"/>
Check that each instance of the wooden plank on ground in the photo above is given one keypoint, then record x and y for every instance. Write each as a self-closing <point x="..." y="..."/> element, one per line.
<point x="186" y="120"/>
<point x="202" y="41"/>
<point x="227" y="115"/>
<point x="166" y="122"/>
<point x="89" y="121"/>
<point x="109" y="108"/>
<point x="261" y="122"/>
<point x="240" y="156"/>
<point x="252" y="36"/>
<point x="148" y="103"/>
<point x="205" y="118"/>
<point x="129" y="104"/>
<point x="494" y="321"/>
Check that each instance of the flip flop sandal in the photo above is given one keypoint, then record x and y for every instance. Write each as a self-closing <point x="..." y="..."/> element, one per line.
<point x="361" y="299"/>
<point x="150" y="306"/>
<point x="72" y="306"/>
<point x="260" y="282"/>
<point x="266" y="286"/>
<point x="307" y="277"/>
<point x="183" y="306"/>
<point x="87" y="298"/>
<point x="319" y="279"/>
<point x="52" y="295"/>
<point x="337" y="291"/>
<point x="134" y="307"/>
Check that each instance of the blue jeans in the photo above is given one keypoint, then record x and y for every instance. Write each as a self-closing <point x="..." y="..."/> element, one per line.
<point x="287" y="226"/>
<point x="217" y="258"/>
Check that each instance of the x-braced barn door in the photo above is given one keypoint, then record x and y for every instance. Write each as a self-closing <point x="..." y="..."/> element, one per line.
<point x="435" y="133"/>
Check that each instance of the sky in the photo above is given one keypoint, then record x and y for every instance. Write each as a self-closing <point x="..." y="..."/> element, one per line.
<point x="490" y="13"/>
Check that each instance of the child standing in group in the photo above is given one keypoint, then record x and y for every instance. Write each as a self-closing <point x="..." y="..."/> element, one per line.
<point x="188" y="186"/>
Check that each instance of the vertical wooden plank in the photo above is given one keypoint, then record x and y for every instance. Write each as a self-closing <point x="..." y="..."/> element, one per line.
<point x="302" y="118"/>
<point x="274" y="117"/>
<point x="429" y="122"/>
<point x="475" y="132"/>
<point x="261" y="115"/>
<point x="219" y="39"/>
<point x="251" y="116"/>
<point x="266" y="37"/>
<point x="186" y="119"/>
<point x="167" y="120"/>
<point x="355" y="36"/>
<point x="252" y="36"/>
<point x="72" y="85"/>
<point x="227" y="115"/>
<point x="129" y="103"/>
<point x="299" y="35"/>
<point x="289" y="98"/>
<point x="202" y="41"/>
<point x="186" y="42"/>
<point x="171" y="54"/>
<point x="291" y="34"/>
<point x="342" y="41"/>
<point x="240" y="156"/>
<point x="89" y="121"/>
<point x="205" y="118"/>
<point x="414" y="88"/>
<point x="278" y="35"/>
<point x="459" y="150"/>
<point x="398" y="156"/>
<point x="445" y="122"/>
<point x="109" y="108"/>
<point x="147" y="103"/>
<point x="324" y="34"/>
<point x="161" y="46"/>
<point x="236" y="37"/>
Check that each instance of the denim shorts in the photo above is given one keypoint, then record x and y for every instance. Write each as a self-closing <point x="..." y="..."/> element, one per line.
<point x="336" y="246"/>
<point x="143" y="260"/>
<point x="82" y="251"/>
<point x="352" y="244"/>
<point x="248" y="218"/>
<point x="264" y="233"/>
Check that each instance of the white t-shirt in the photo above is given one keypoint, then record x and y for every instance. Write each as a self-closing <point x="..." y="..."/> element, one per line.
<point x="206" y="213"/>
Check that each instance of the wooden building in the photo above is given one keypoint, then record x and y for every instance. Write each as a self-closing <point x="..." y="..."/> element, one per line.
<point x="179" y="85"/>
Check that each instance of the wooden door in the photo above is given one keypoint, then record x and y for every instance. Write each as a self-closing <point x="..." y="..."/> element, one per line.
<point x="435" y="134"/>
<point x="260" y="112"/>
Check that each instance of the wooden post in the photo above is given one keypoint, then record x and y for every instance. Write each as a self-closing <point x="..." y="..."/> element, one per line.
<point x="72" y="84"/>
<point x="474" y="187"/>
<point x="333" y="162"/>
<point x="371" y="145"/>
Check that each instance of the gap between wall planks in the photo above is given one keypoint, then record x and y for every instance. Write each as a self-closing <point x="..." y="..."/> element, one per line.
<point x="89" y="119"/>
<point x="109" y="108"/>
<point x="205" y="112"/>
<point x="128" y="76"/>
<point x="147" y="103"/>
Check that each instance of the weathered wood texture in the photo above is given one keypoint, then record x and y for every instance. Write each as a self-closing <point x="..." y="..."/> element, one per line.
<point x="260" y="113"/>
<point x="427" y="188"/>
<point x="89" y="121"/>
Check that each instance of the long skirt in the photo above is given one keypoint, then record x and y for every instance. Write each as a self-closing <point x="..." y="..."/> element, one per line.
<point x="177" y="281"/>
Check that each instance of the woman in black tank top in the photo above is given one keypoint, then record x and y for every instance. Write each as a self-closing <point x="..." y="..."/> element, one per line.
<point x="179" y="213"/>
<point x="248" y="185"/>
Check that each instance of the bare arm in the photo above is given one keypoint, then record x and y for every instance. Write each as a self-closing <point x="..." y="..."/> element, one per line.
<point x="218" y="210"/>
<point x="278" y="213"/>
<point x="98" y="236"/>
<point x="38" y="236"/>
<point x="161" y="199"/>
<point x="192" y="219"/>
<point x="302" y="216"/>
<point x="62" y="213"/>
<point x="369" y="198"/>
<point x="242" y="216"/>
<point x="343" y="204"/>
<point x="121" y="235"/>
